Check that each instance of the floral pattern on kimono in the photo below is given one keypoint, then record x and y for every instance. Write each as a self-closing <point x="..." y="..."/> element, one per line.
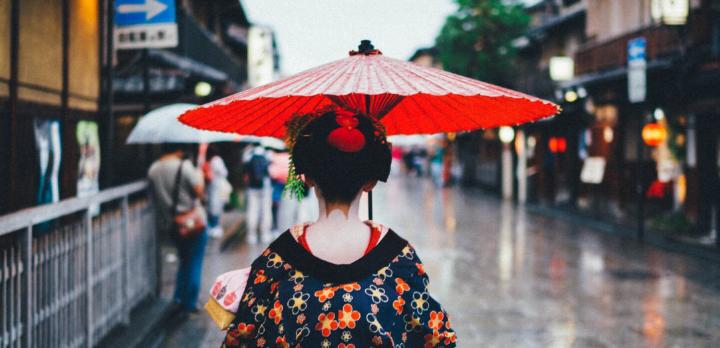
<point x="294" y="299"/>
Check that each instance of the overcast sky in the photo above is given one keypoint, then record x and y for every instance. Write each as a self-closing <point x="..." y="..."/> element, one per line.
<point x="313" y="32"/>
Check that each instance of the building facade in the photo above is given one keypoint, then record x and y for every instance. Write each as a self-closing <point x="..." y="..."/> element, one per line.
<point x="49" y="85"/>
<point x="69" y="97"/>
<point x="650" y="164"/>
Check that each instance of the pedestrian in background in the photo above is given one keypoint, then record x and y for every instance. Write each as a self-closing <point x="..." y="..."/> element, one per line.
<point x="278" y="175"/>
<point x="218" y="190"/>
<point x="259" y="197"/>
<point x="290" y="211"/>
<point x="177" y="188"/>
<point x="436" y="166"/>
<point x="278" y="186"/>
<point x="397" y="160"/>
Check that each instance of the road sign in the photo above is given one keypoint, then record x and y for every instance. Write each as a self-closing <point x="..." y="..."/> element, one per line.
<point x="145" y="24"/>
<point x="636" y="68"/>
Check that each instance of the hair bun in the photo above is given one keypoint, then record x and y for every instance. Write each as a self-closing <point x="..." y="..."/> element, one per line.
<point x="346" y="138"/>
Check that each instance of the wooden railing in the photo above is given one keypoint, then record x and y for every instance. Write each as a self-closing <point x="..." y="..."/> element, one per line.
<point x="595" y="57"/>
<point x="662" y="41"/>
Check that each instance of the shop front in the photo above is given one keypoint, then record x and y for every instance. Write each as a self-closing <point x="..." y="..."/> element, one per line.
<point x="650" y="165"/>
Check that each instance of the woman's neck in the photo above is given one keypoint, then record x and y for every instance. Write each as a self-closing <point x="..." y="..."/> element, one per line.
<point x="325" y="239"/>
<point x="341" y="213"/>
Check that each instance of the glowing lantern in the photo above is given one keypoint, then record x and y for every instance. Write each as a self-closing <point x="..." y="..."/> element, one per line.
<point x="506" y="134"/>
<point x="670" y="12"/>
<point x="557" y="145"/>
<point x="653" y="134"/>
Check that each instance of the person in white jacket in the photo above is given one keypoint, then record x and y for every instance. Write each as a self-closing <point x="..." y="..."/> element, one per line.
<point x="259" y="197"/>
<point x="218" y="190"/>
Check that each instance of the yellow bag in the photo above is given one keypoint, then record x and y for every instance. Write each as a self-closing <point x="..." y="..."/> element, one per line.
<point x="221" y="316"/>
<point x="225" y="296"/>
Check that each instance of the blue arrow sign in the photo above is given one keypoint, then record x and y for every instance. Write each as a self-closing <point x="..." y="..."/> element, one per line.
<point x="138" y="12"/>
<point x="636" y="49"/>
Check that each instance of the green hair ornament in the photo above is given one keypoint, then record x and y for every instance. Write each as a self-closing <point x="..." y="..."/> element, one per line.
<point x="295" y="187"/>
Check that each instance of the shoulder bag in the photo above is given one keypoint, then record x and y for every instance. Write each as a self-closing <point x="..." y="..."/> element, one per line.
<point x="189" y="223"/>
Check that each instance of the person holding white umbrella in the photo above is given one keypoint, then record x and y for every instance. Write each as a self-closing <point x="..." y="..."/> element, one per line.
<point x="177" y="187"/>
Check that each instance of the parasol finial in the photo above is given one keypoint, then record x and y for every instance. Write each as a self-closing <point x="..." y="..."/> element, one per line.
<point x="365" y="48"/>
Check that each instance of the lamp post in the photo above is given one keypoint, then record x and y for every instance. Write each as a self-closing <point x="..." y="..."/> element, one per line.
<point x="520" y="149"/>
<point x="506" y="135"/>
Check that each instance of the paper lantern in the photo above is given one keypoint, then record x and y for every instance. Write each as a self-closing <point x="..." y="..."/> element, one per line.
<point x="557" y="145"/>
<point x="506" y="134"/>
<point x="653" y="134"/>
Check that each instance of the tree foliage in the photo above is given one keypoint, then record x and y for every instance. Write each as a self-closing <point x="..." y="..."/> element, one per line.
<point x="476" y="41"/>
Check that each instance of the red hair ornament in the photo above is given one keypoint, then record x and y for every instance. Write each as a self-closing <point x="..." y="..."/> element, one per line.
<point x="347" y="138"/>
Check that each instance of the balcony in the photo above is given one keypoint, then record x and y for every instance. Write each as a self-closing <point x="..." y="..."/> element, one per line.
<point x="662" y="42"/>
<point x="597" y="57"/>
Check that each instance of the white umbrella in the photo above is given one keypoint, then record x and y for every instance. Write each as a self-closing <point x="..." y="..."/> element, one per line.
<point x="273" y="143"/>
<point x="162" y="126"/>
<point x="412" y="140"/>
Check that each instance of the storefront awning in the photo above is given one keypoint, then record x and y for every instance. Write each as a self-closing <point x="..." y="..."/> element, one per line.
<point x="199" y="45"/>
<point x="188" y="64"/>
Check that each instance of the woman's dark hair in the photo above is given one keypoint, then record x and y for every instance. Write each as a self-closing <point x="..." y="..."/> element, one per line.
<point x="187" y="149"/>
<point x="212" y="151"/>
<point x="340" y="175"/>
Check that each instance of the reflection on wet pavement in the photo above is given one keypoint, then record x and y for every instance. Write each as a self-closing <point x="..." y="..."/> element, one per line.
<point x="514" y="279"/>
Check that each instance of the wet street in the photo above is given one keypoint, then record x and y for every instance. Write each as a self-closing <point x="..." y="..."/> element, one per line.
<point x="509" y="278"/>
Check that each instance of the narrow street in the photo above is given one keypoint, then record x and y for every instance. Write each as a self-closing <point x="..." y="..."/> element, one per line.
<point x="509" y="278"/>
<point x="120" y="119"/>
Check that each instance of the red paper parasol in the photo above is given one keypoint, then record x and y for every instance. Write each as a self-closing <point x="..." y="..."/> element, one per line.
<point x="406" y="97"/>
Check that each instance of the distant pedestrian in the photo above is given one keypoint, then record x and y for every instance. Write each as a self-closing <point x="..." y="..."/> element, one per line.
<point x="290" y="210"/>
<point x="436" y="166"/>
<point x="421" y="161"/>
<point x="259" y="197"/>
<point x="177" y="188"/>
<point x="397" y="160"/>
<point x="278" y="185"/>
<point x="218" y="190"/>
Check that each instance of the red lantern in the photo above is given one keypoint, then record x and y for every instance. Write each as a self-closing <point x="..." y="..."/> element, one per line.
<point x="653" y="134"/>
<point x="557" y="145"/>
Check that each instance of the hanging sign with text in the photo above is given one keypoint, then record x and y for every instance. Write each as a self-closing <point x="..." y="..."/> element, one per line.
<point x="145" y="24"/>
<point x="637" y="81"/>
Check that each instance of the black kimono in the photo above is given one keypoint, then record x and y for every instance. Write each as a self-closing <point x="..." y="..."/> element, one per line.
<point x="294" y="299"/>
